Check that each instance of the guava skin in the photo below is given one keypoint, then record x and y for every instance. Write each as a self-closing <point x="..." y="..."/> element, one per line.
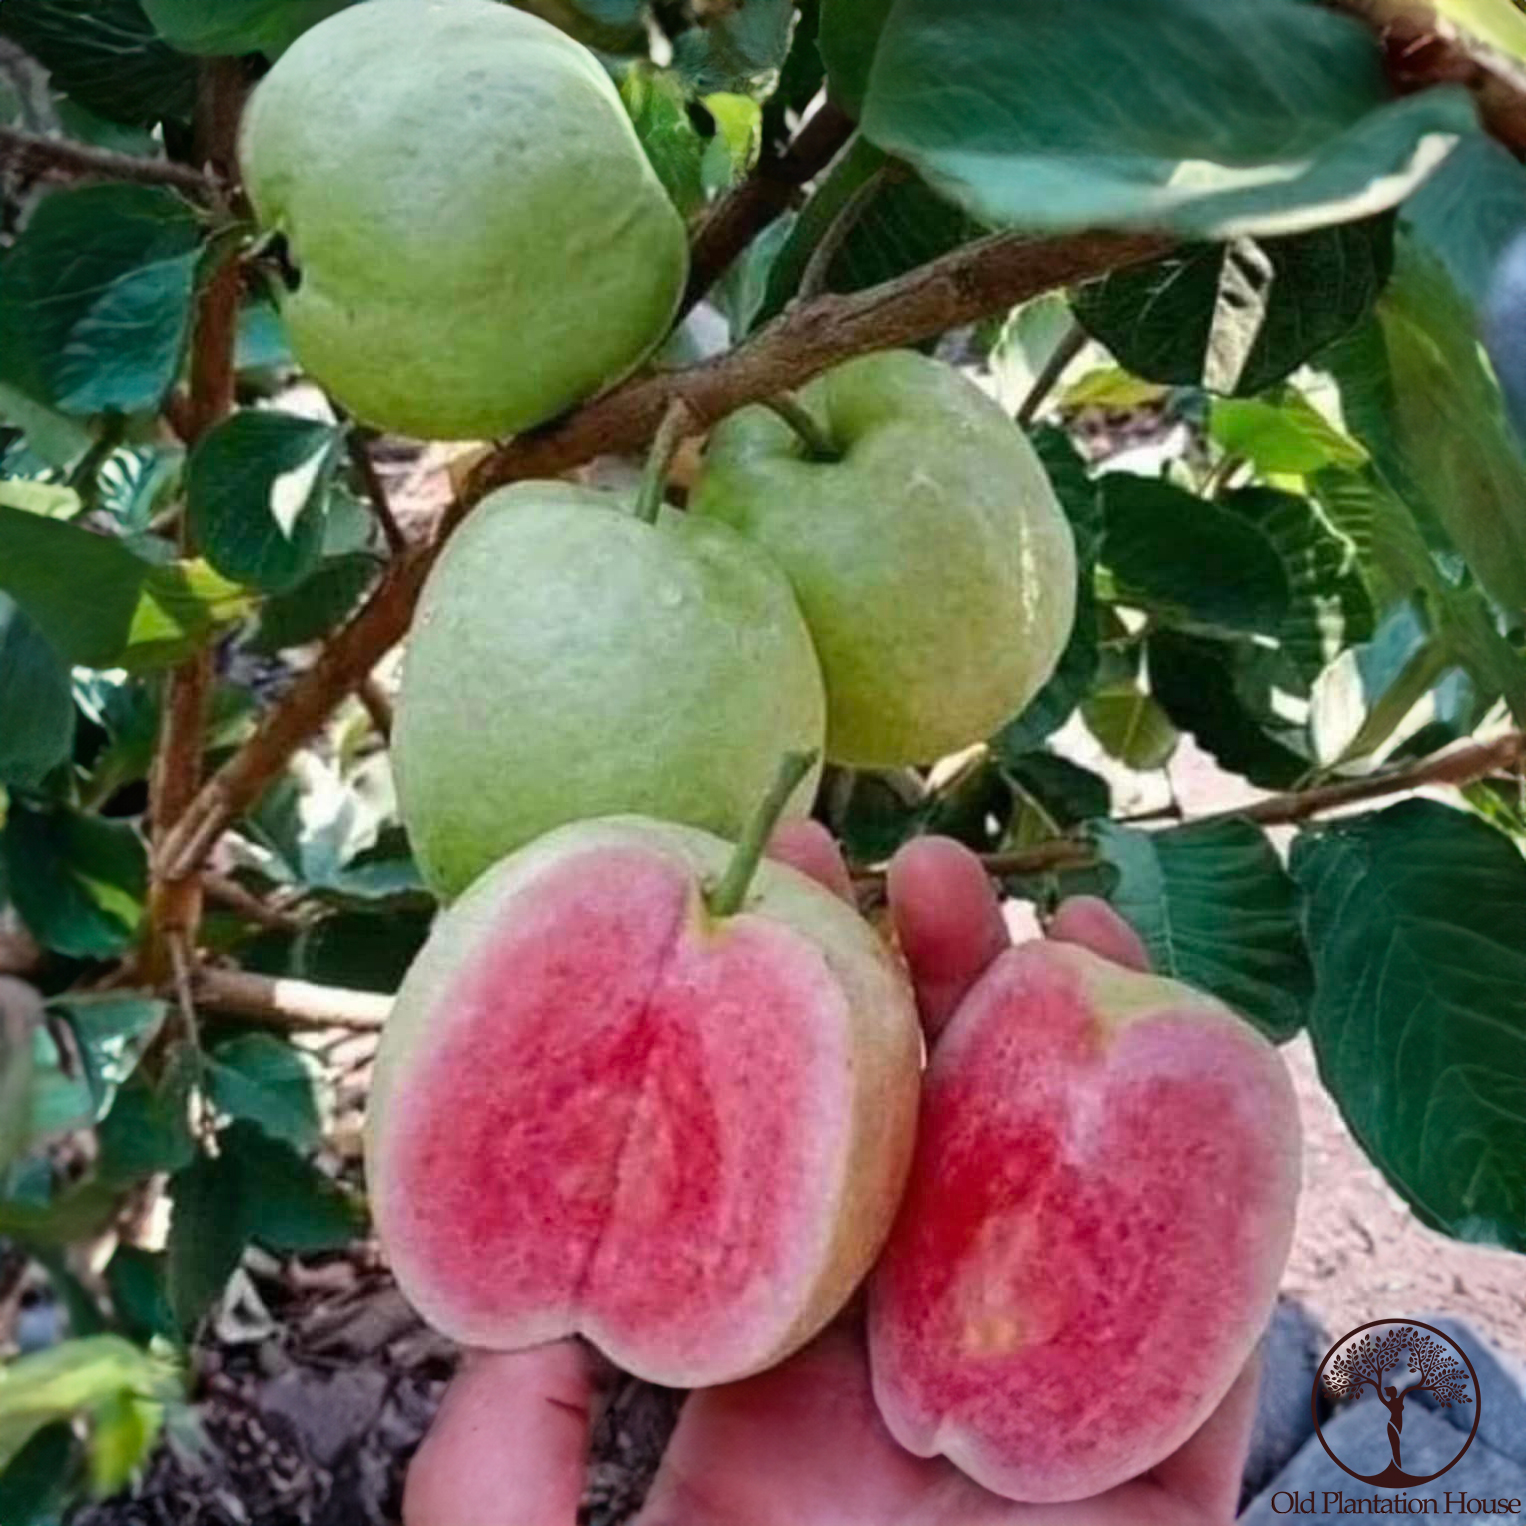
<point x="934" y="564"/>
<point x="570" y="661"/>
<point x="599" y="1109"/>
<point x="1098" y="1216"/>
<point x="478" y="239"/>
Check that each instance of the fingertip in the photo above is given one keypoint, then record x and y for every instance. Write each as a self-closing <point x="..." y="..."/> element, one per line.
<point x="1089" y="922"/>
<point x="948" y="922"/>
<point x="807" y="846"/>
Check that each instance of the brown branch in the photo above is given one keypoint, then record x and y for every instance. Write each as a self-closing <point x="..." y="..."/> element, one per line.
<point x="976" y="281"/>
<point x="232" y="896"/>
<point x="175" y="901"/>
<point x="764" y="196"/>
<point x="59" y="159"/>
<point x="289" y="1003"/>
<point x="378" y="705"/>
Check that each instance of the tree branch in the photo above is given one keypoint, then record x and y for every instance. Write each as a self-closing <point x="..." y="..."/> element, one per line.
<point x="289" y="1003"/>
<point x="59" y="159"/>
<point x="764" y="196"/>
<point x="983" y="278"/>
<point x="358" y="443"/>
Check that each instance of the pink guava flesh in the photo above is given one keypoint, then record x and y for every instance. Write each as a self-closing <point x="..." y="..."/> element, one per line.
<point x="1099" y="1211"/>
<point x="627" y="1120"/>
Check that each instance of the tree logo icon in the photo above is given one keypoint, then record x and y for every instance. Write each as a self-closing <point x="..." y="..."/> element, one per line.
<point x="1388" y="1363"/>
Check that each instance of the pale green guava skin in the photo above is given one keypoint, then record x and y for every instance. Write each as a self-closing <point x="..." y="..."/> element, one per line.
<point x="479" y="239"/>
<point x="570" y="661"/>
<point x="934" y="564"/>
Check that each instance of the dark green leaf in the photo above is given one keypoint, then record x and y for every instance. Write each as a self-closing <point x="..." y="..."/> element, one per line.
<point x="659" y="111"/>
<point x="314" y="606"/>
<point x="850" y="33"/>
<point x="1239" y="317"/>
<point x="1067" y="793"/>
<point x="877" y="818"/>
<point x="1131" y="726"/>
<point x="135" y="1280"/>
<point x="1196" y="683"/>
<point x="1189" y="561"/>
<point x="95" y="298"/>
<point x="78" y="882"/>
<point x="290" y="1204"/>
<point x="1081" y="498"/>
<point x="1414" y="918"/>
<point x="105" y="54"/>
<point x="257" y="492"/>
<point x="38" y="1484"/>
<point x="363" y="951"/>
<point x="259" y="1078"/>
<point x="77" y="1213"/>
<point x="1417" y="392"/>
<point x="613" y="26"/>
<point x="36" y="701"/>
<point x="740" y="49"/>
<point x="148" y="1129"/>
<point x="207" y="1238"/>
<point x="1214" y="118"/>
<point x="231" y="27"/>
<point x="1216" y="910"/>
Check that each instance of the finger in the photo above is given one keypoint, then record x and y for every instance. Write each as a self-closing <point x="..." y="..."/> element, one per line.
<point x="1090" y="922"/>
<point x="948" y="921"/>
<point x="1205" y="1471"/>
<point x="508" y="1444"/>
<point x="810" y="848"/>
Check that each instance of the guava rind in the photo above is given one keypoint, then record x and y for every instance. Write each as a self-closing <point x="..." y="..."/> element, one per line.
<point x="569" y="661"/>
<point x="596" y="1109"/>
<point x="478" y="237"/>
<point x="933" y="562"/>
<point x="1094" y="1229"/>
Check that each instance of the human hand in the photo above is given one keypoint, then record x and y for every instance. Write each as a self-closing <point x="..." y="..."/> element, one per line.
<point x="803" y="1445"/>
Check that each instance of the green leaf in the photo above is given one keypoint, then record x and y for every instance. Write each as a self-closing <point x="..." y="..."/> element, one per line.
<point x="75" y="1377"/>
<point x="232" y="27"/>
<point x="1216" y="910"/>
<point x="850" y="34"/>
<point x="1067" y="793"/>
<point x="259" y="1078"/>
<point x="38" y="1485"/>
<point x="612" y="26"/>
<point x="1211" y="118"/>
<point x="78" y="1213"/>
<point x="1467" y="213"/>
<point x="111" y="1034"/>
<point x="45" y="498"/>
<point x="95" y="298"/>
<point x="1418" y="393"/>
<point x="148" y="1129"/>
<point x="1329" y="608"/>
<point x="106" y="55"/>
<point x="1081" y="498"/>
<point x="1413" y="915"/>
<point x="1189" y="561"/>
<point x="257" y="491"/>
<point x="135" y="1280"/>
<point x="1196" y="682"/>
<point x="207" y="1238"/>
<point x="1239" y="317"/>
<point x="123" y="1430"/>
<point x="290" y="1204"/>
<point x="36" y="701"/>
<point x="314" y="606"/>
<point x="1282" y="436"/>
<point x="740" y="49"/>
<point x="78" y="882"/>
<point x="101" y="605"/>
<point x="1130" y="726"/>
<point x="659" y="110"/>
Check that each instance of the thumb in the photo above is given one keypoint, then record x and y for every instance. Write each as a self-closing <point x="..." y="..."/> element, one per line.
<point x="507" y="1447"/>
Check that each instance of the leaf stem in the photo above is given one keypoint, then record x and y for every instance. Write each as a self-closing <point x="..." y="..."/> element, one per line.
<point x="818" y="445"/>
<point x="676" y="423"/>
<point x="726" y="899"/>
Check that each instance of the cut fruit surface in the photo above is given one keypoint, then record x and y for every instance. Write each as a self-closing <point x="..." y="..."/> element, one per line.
<point x="1093" y="1233"/>
<point x="603" y="1110"/>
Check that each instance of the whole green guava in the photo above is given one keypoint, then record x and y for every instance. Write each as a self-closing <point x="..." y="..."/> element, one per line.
<point x="934" y="564"/>
<point x="477" y="239"/>
<point x="569" y="660"/>
<point x="236" y="26"/>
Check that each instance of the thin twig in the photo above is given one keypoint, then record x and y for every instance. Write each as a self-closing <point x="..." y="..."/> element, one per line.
<point x="57" y="158"/>
<point x="378" y="705"/>
<point x="358" y="443"/>
<point x="232" y="896"/>
<point x="975" y="281"/>
<point x="813" y="280"/>
<point x="1071" y="344"/>
<point x="289" y="1003"/>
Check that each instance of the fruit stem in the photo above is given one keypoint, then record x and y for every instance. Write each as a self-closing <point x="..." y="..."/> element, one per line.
<point x="818" y="445"/>
<point x="676" y="423"/>
<point x="725" y="900"/>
